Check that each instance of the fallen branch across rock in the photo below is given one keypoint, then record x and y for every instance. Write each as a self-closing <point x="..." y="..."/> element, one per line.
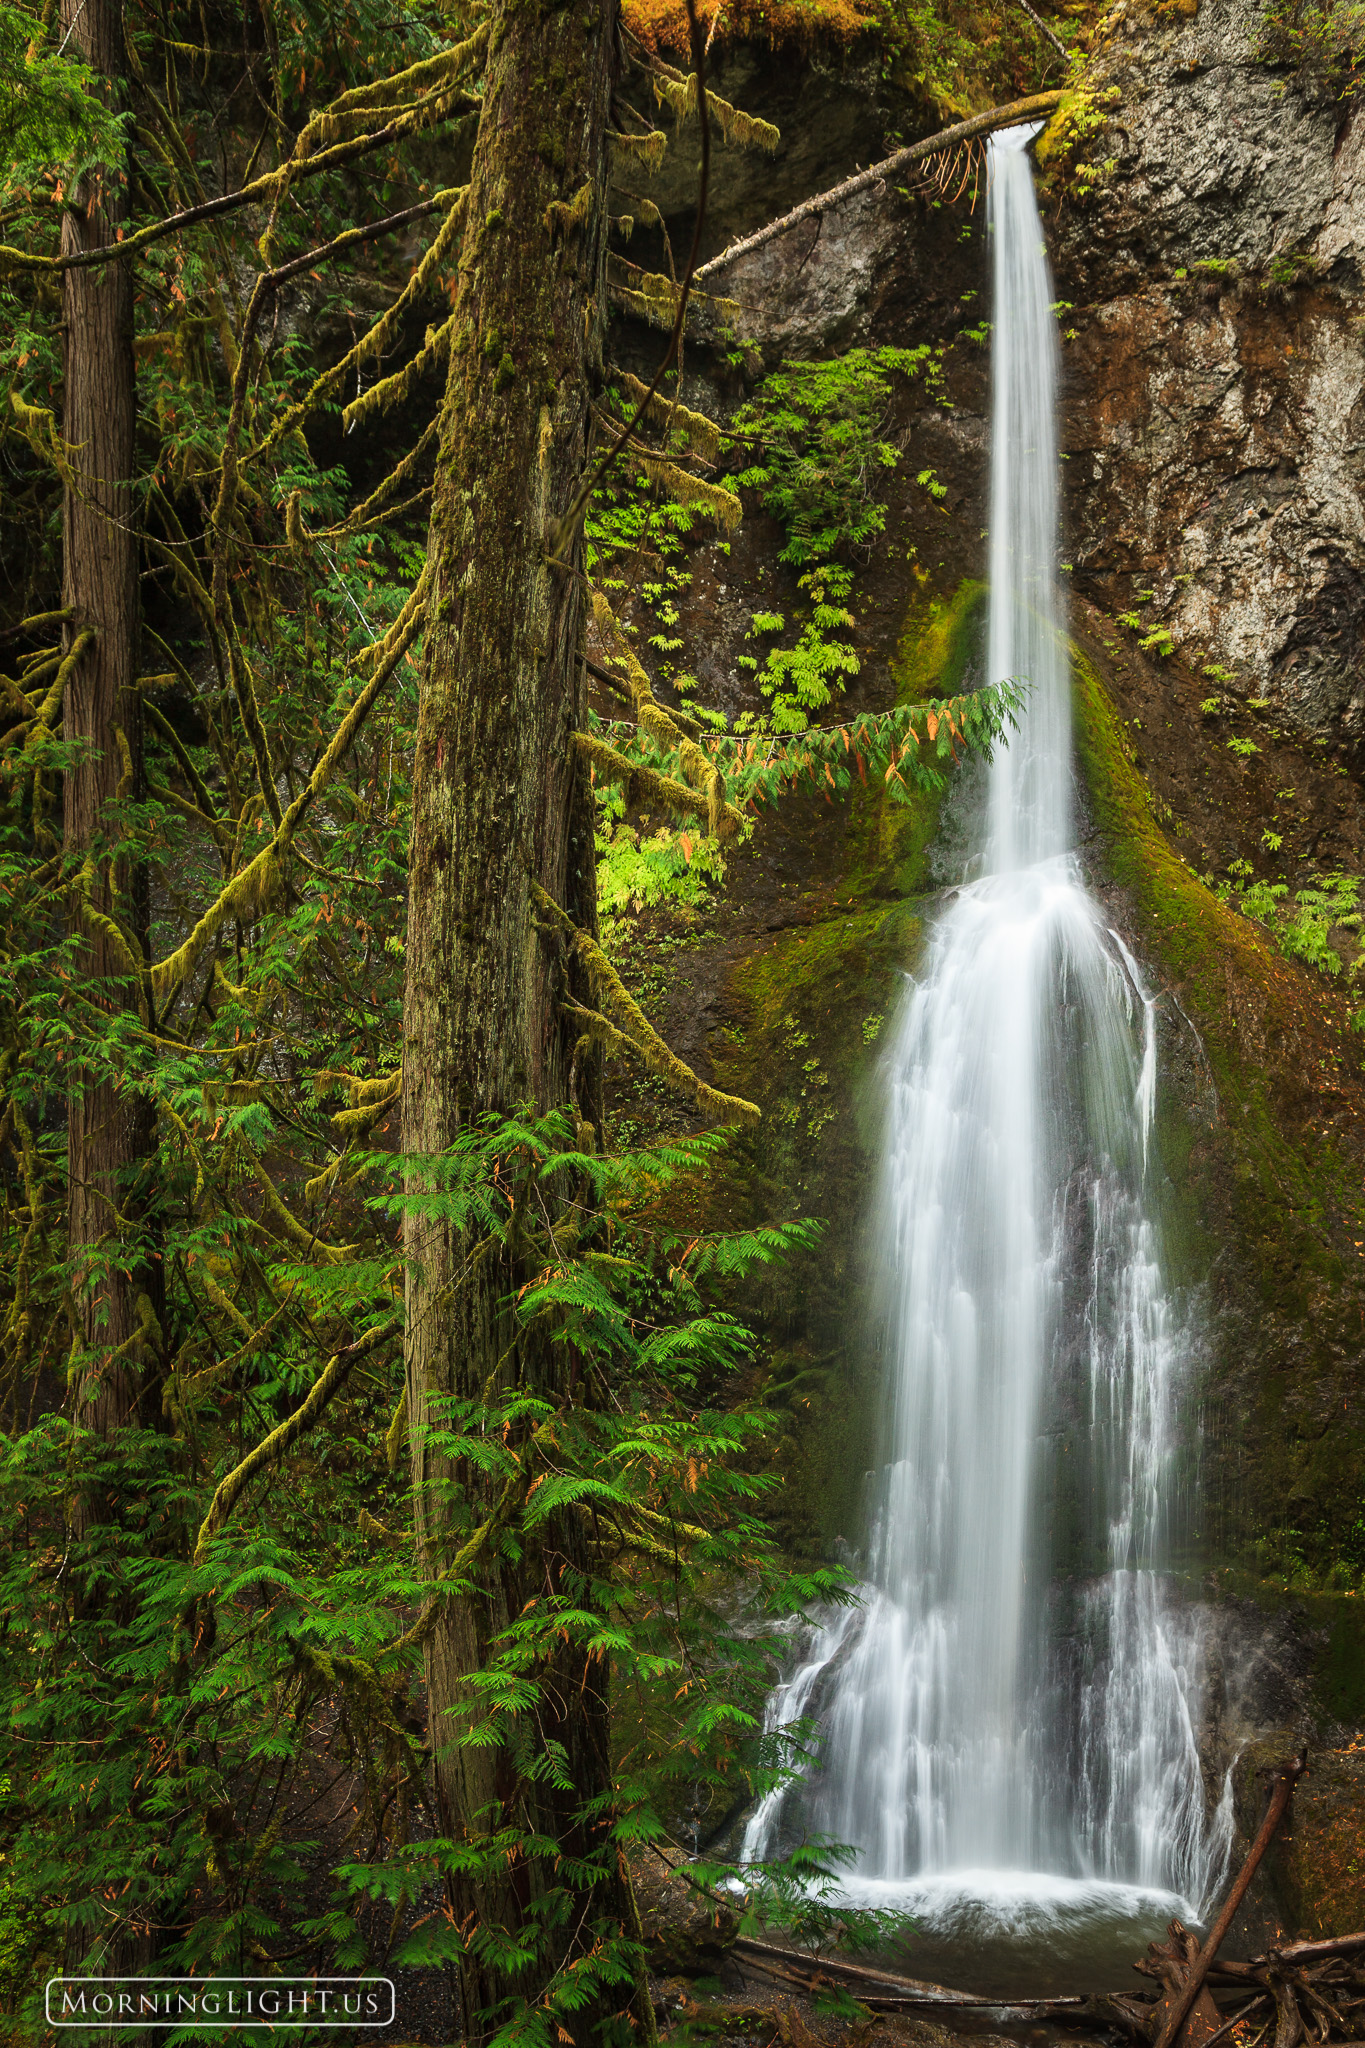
<point x="1304" y="1993"/>
<point x="979" y="124"/>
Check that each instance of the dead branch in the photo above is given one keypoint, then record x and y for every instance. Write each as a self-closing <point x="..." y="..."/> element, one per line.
<point x="979" y="124"/>
<point x="1286" y="1778"/>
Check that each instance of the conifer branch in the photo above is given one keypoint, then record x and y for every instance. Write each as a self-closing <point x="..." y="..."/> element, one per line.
<point x="164" y="794"/>
<point x="679" y="94"/>
<point x="427" y="71"/>
<point x="640" y="780"/>
<point x="615" y="684"/>
<point x="511" y="1498"/>
<point x="694" y="491"/>
<point x="351" y="238"/>
<point x="650" y="149"/>
<point x="296" y="1233"/>
<point x="204" y="802"/>
<point x="395" y="389"/>
<point x="701" y="771"/>
<point x="558" y="542"/>
<point x="289" y="174"/>
<point x="656" y="298"/>
<point x="248" y="892"/>
<point x="356" y="521"/>
<point x="39" y="622"/>
<point x="376" y="338"/>
<point x="703" y="433"/>
<point x="45" y="718"/>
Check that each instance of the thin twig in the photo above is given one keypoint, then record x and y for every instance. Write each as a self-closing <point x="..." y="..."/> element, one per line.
<point x="1058" y="45"/>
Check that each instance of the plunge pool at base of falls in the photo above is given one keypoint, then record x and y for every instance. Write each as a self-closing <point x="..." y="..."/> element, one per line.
<point x="1020" y="1933"/>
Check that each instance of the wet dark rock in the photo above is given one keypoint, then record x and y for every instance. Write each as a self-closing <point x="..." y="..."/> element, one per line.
<point x="1213" y="391"/>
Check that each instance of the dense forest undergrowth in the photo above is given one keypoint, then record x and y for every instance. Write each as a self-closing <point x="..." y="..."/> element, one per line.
<point x="476" y="731"/>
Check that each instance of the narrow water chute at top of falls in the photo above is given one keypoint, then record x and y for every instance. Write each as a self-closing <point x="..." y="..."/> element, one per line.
<point x="1009" y="1718"/>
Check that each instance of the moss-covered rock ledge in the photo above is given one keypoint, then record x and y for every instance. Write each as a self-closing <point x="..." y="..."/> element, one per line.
<point x="1259" y="1133"/>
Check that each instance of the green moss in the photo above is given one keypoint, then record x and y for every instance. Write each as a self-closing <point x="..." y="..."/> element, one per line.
<point x="1219" y="960"/>
<point x="817" y="1002"/>
<point x="1260" y="1200"/>
<point x="889" y="840"/>
<point x="1318" y="1864"/>
<point x="937" y="643"/>
<point x="1341" y="1674"/>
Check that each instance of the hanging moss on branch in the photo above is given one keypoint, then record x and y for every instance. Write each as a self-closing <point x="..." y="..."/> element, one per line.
<point x="741" y="130"/>
<point x="646" y="149"/>
<point x="269" y="1452"/>
<point x="703" y="434"/>
<point x="249" y="892"/>
<point x="641" y="782"/>
<point x="700" y="770"/>
<point x="635" y="1028"/>
<point x="656" y="298"/>
<point x="397" y="389"/>
<point x="693" y="491"/>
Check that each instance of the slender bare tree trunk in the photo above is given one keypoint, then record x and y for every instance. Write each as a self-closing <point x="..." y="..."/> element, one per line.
<point x="109" y="1132"/>
<point x="500" y="800"/>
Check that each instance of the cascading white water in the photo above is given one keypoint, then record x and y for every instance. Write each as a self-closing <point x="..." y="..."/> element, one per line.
<point x="1012" y="1712"/>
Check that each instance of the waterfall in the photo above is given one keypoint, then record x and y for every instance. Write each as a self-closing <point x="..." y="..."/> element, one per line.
<point x="1012" y="1711"/>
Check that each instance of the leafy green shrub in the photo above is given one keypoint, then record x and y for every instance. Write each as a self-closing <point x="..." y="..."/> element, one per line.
<point x="165" y="1678"/>
<point x="813" y="433"/>
<point x="803" y="679"/>
<point x="1303" y="929"/>
<point x="818" y="429"/>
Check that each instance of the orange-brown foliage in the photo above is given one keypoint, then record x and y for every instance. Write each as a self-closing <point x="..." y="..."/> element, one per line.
<point x="662" y="24"/>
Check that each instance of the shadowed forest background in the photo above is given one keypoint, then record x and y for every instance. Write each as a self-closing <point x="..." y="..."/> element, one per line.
<point x="486" y="686"/>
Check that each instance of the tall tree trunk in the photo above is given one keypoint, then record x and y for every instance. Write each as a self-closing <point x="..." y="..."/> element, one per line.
<point x="109" y="1135"/>
<point x="500" y="800"/>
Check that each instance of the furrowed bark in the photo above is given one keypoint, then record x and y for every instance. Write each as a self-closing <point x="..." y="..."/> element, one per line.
<point x="501" y="800"/>
<point x="110" y="1131"/>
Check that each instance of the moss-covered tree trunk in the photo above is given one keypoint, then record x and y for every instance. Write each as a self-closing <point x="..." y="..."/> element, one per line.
<point x="109" y="1133"/>
<point x="501" y="800"/>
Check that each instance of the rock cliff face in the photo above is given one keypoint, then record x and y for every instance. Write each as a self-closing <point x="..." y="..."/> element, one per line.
<point x="1214" y="389"/>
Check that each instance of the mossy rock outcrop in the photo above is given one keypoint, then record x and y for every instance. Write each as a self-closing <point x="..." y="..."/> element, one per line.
<point x="1265" y="1209"/>
<point x="1321" y="1859"/>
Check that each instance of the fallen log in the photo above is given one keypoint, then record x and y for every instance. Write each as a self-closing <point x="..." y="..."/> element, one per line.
<point x="948" y="138"/>
<point x="887" y="1991"/>
<point x="835" y="1966"/>
<point x="1311" y="1951"/>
